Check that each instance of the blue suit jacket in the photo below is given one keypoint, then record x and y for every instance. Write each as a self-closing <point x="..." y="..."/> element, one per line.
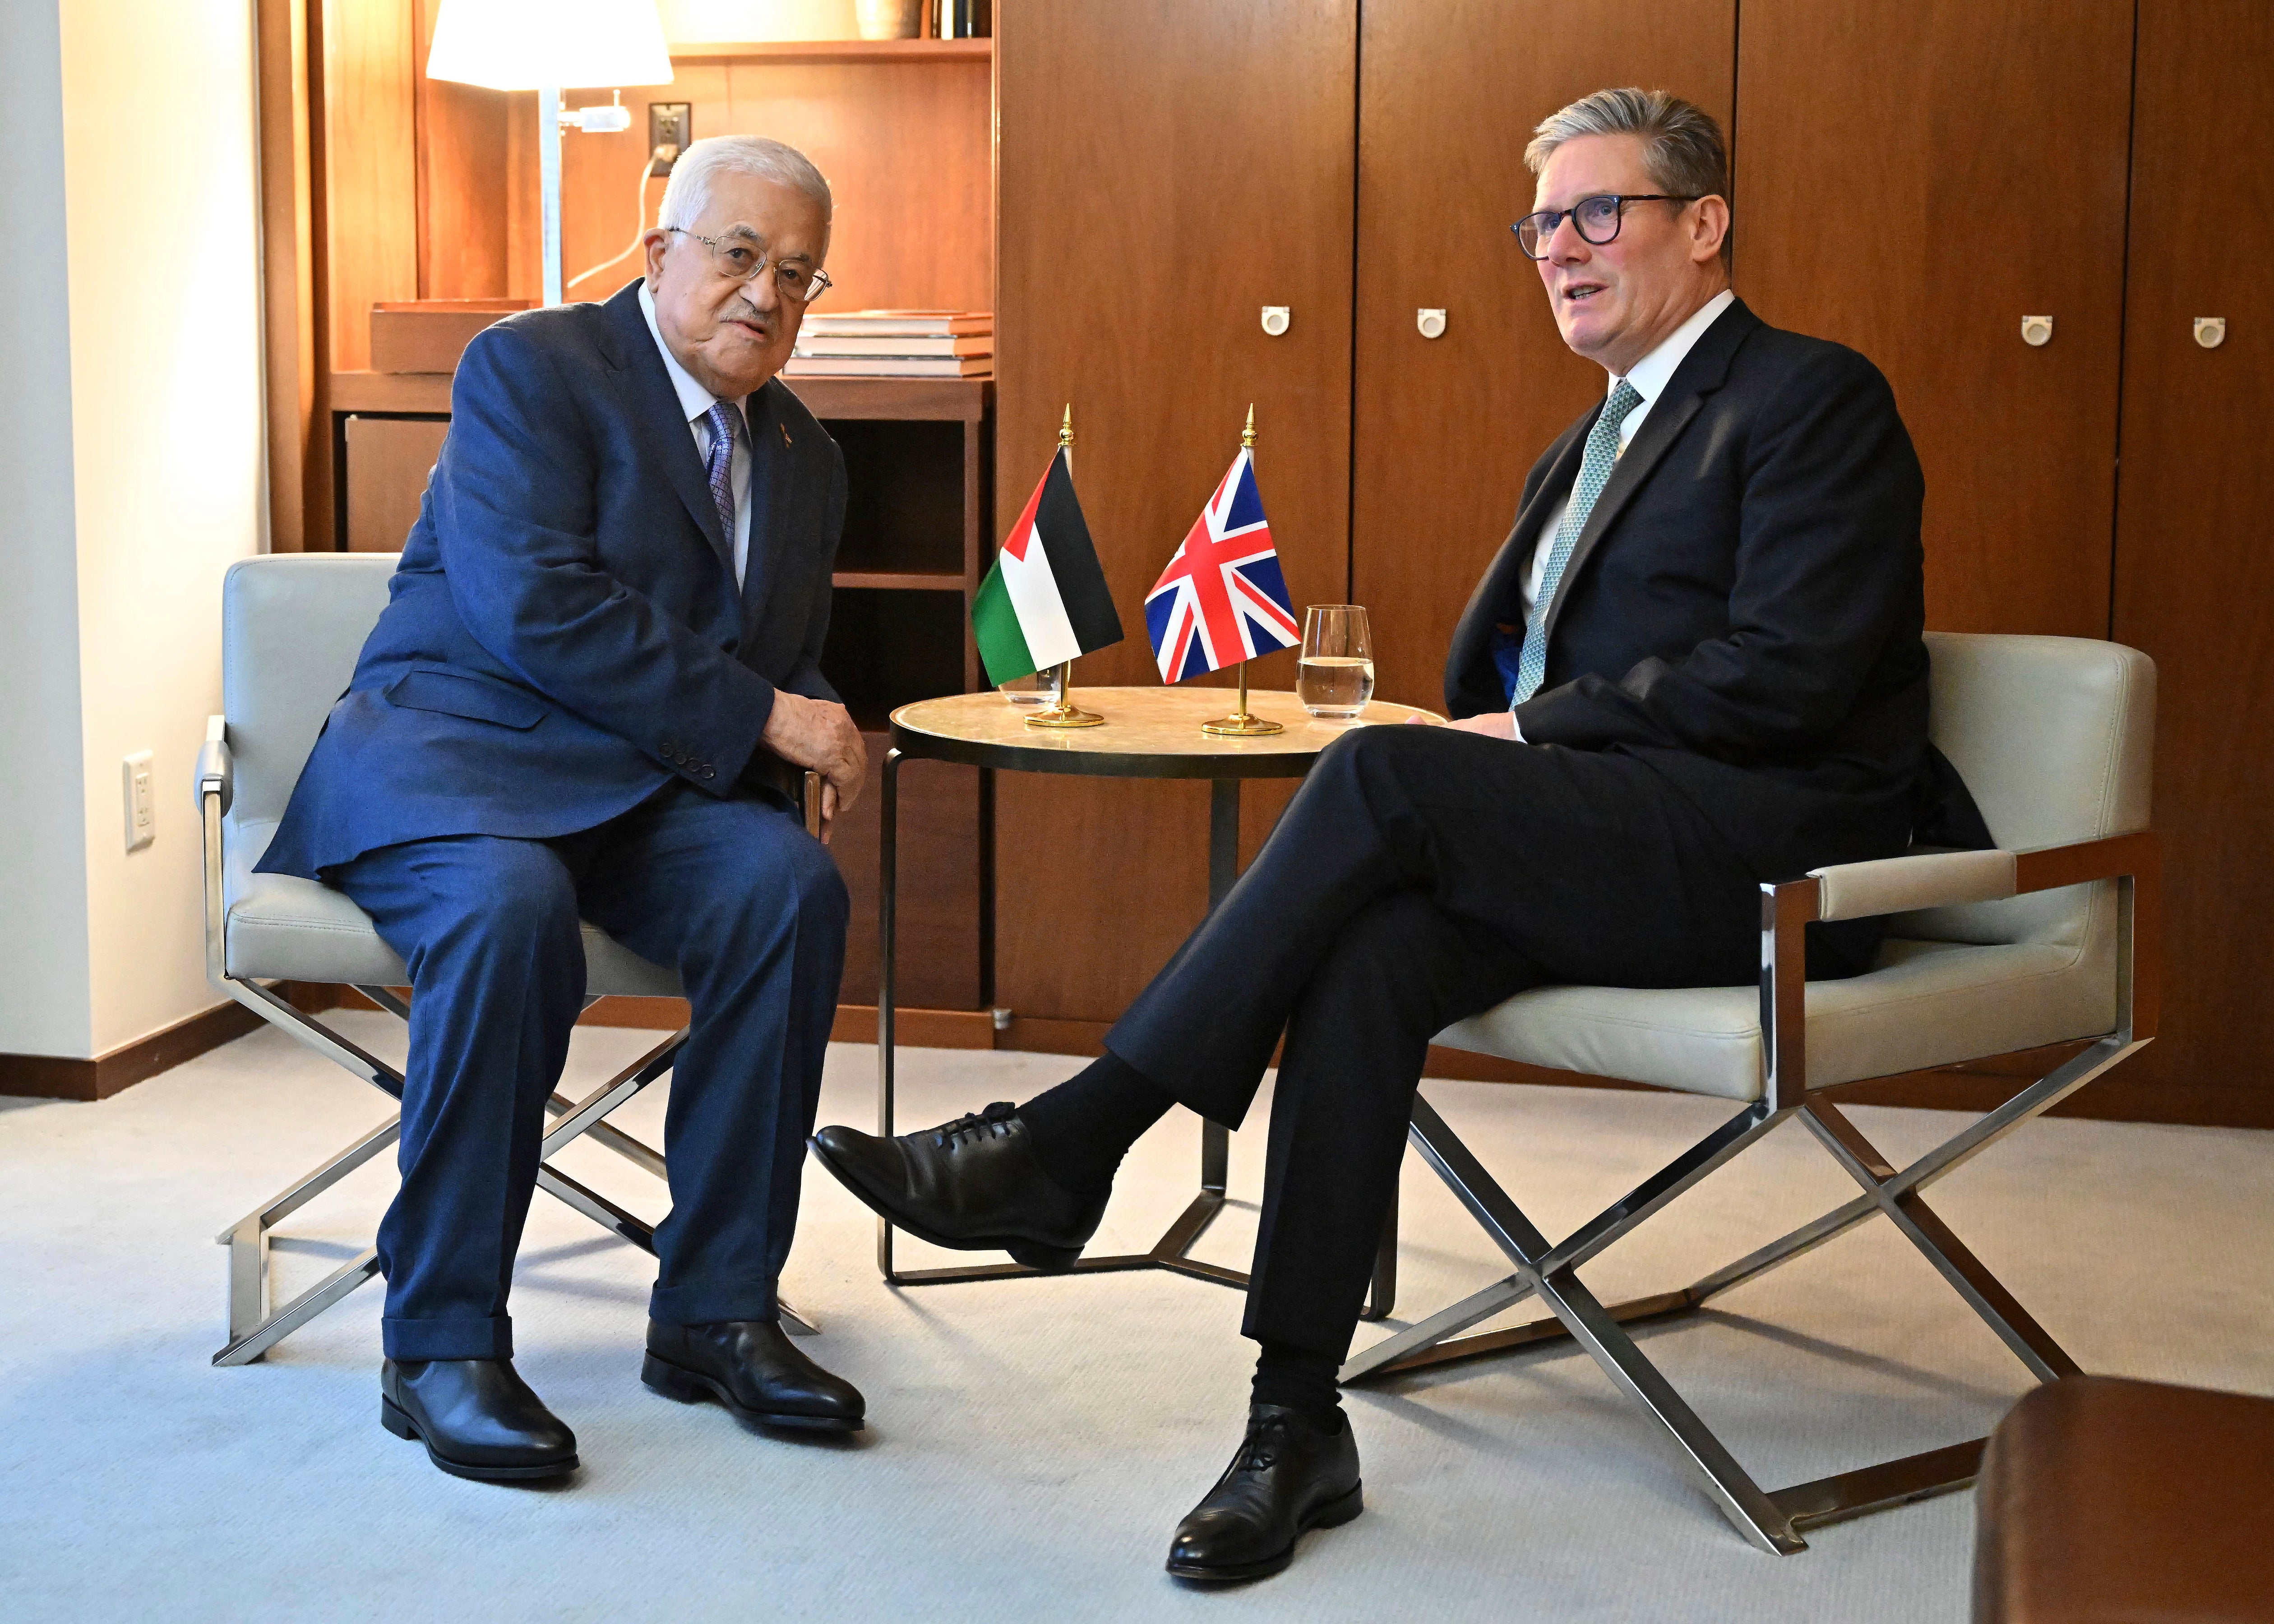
<point x="564" y="633"/>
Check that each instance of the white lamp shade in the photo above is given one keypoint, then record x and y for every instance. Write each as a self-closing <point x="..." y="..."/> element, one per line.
<point x="530" y="44"/>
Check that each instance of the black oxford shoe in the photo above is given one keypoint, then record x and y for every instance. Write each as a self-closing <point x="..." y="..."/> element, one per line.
<point x="972" y="1184"/>
<point x="752" y="1369"/>
<point x="1290" y="1475"/>
<point x="477" y="1418"/>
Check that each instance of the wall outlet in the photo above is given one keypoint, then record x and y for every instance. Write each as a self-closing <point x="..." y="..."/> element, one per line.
<point x="671" y="127"/>
<point x="141" y="802"/>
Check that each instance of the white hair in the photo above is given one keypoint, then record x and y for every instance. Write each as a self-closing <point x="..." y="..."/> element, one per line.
<point x="688" y="193"/>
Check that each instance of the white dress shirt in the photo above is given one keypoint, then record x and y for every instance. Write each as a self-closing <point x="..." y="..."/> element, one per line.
<point x="696" y="401"/>
<point x="1648" y="379"/>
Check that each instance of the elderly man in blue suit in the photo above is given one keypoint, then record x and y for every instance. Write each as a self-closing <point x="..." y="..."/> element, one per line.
<point x="597" y="677"/>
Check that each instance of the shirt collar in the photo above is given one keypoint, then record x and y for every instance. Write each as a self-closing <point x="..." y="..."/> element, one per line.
<point x="1648" y="376"/>
<point x="693" y="399"/>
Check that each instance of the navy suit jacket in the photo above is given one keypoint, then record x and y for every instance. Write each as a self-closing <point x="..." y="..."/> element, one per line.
<point x="564" y="633"/>
<point x="1744" y="609"/>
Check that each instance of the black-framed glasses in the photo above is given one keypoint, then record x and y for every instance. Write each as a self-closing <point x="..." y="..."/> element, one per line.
<point x="739" y="261"/>
<point x="1596" y="219"/>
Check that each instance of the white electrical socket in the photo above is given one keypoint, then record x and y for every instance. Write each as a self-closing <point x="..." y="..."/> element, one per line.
<point x="141" y="802"/>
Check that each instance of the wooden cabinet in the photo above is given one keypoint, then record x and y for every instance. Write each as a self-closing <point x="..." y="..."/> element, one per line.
<point x="385" y="463"/>
<point x="1913" y="180"/>
<point x="380" y="185"/>
<point x="2194" y="575"/>
<point x="1443" y="430"/>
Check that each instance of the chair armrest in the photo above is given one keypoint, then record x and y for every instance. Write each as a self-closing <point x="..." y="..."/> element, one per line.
<point x="216" y="771"/>
<point x="1926" y="880"/>
<point x="1945" y="879"/>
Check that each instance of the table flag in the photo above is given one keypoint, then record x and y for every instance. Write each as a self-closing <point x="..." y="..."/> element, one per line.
<point x="1223" y="597"/>
<point x="1046" y="600"/>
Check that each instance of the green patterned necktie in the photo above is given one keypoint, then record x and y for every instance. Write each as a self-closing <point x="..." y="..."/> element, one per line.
<point x="1595" y="471"/>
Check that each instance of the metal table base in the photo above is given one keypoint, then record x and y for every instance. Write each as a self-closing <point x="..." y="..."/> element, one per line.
<point x="1172" y="1251"/>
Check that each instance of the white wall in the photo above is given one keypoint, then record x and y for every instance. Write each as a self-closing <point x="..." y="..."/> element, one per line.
<point x="46" y="997"/>
<point x="153" y="466"/>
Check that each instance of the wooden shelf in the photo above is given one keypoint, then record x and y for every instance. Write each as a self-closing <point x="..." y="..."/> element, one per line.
<point x="954" y="400"/>
<point x="837" y="50"/>
<point x="897" y="581"/>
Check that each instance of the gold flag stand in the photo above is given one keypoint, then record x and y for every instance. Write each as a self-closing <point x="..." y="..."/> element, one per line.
<point x="1064" y="712"/>
<point x="1239" y="723"/>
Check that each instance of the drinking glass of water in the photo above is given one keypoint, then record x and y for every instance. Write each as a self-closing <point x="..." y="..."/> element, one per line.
<point x="1335" y="676"/>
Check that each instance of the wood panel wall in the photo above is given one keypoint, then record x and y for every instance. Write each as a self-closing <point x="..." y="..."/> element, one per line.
<point x="1159" y="212"/>
<point x="1912" y="181"/>
<point x="2194" y="575"/>
<point x="1446" y="428"/>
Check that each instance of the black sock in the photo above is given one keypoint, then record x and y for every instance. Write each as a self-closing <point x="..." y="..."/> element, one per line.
<point x="1300" y="1379"/>
<point x="1081" y="1128"/>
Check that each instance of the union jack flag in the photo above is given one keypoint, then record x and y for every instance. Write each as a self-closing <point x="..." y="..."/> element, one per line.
<point x="1223" y="598"/>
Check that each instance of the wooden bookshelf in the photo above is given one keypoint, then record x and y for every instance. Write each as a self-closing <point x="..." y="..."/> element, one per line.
<point x="380" y="185"/>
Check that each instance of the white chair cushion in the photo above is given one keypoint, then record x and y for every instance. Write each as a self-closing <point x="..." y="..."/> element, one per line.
<point x="281" y="927"/>
<point x="1928" y="1003"/>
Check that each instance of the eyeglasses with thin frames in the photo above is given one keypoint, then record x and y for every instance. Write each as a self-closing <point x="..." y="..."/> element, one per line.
<point x="742" y="262"/>
<point x="1596" y="219"/>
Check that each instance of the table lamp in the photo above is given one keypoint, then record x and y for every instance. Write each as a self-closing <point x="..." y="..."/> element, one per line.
<point x="550" y="46"/>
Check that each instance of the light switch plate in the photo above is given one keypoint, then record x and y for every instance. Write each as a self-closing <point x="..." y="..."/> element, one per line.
<point x="669" y="125"/>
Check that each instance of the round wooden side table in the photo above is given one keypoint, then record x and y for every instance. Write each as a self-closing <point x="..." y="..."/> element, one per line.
<point x="1149" y="732"/>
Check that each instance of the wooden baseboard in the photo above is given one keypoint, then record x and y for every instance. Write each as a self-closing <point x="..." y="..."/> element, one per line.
<point x="46" y="1078"/>
<point x="857" y="1023"/>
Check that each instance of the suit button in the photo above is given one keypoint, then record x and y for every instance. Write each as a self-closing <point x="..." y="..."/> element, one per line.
<point x="708" y="773"/>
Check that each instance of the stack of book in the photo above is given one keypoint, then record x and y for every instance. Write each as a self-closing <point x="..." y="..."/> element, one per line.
<point x="895" y="344"/>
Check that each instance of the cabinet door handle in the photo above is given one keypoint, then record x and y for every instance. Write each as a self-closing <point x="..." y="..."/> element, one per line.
<point x="1432" y="323"/>
<point x="2210" y="330"/>
<point x="1274" y="320"/>
<point x="2037" y="331"/>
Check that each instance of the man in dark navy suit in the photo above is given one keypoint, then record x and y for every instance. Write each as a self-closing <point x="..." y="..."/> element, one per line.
<point x="1694" y="666"/>
<point x="597" y="676"/>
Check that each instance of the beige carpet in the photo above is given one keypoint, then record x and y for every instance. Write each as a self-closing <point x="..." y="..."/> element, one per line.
<point x="1034" y="1441"/>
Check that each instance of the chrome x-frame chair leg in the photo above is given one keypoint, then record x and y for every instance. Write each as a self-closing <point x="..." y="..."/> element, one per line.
<point x="1774" y="1521"/>
<point x="254" y="1324"/>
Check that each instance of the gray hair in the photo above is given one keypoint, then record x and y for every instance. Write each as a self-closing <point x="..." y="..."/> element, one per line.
<point x="1683" y="151"/>
<point x="688" y="193"/>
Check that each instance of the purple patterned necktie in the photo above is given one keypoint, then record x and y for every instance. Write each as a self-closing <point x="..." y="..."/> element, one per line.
<point x="725" y="420"/>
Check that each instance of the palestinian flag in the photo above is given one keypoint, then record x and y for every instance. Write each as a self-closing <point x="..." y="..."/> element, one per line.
<point x="1045" y="600"/>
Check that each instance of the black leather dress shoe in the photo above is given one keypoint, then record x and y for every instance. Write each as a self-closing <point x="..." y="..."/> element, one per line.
<point x="1290" y="1475"/>
<point x="752" y="1369"/>
<point x="477" y="1418"/>
<point x="973" y="1184"/>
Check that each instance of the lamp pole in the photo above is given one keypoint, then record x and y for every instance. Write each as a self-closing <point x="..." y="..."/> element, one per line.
<point x="549" y="168"/>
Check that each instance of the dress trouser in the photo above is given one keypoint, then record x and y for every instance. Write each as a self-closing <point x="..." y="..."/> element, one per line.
<point x="752" y="910"/>
<point x="1420" y="875"/>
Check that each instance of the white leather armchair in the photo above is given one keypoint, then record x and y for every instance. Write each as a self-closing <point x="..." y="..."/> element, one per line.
<point x="291" y="629"/>
<point x="2049" y="938"/>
